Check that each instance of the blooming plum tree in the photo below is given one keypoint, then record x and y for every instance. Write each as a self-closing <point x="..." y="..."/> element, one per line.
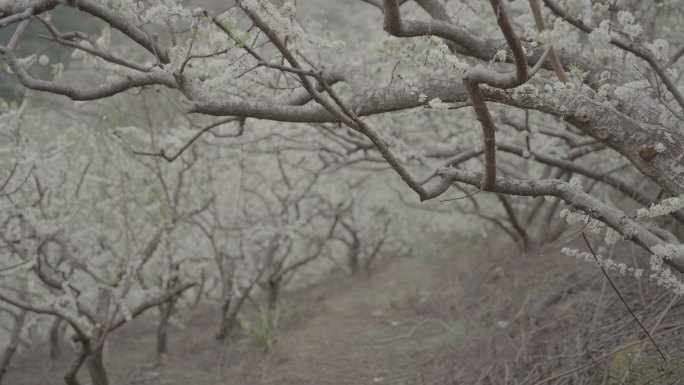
<point x="532" y="114"/>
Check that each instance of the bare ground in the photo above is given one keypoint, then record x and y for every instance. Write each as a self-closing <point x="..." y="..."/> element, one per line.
<point x="459" y="319"/>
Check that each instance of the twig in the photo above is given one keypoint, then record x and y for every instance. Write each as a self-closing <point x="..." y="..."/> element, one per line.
<point x="595" y="361"/>
<point x="605" y="273"/>
<point x="186" y="145"/>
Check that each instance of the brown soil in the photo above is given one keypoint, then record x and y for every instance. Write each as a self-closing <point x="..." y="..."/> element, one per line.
<point x="459" y="319"/>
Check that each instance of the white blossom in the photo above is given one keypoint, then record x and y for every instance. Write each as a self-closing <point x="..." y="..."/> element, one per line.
<point x="629" y="24"/>
<point x="438" y="104"/>
<point x="599" y="260"/>
<point x="665" y="207"/>
<point x="500" y="55"/>
<point x="660" y="48"/>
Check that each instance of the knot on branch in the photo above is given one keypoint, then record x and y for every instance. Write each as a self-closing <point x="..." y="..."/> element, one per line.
<point x="583" y="116"/>
<point x="647" y="152"/>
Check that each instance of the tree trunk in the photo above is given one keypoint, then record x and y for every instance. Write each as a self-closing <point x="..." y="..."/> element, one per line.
<point x="200" y="290"/>
<point x="229" y="312"/>
<point x="224" y="326"/>
<point x="273" y="290"/>
<point x="353" y="256"/>
<point x="234" y="310"/>
<point x="71" y="376"/>
<point x="96" y="369"/>
<point x="165" y="311"/>
<point x="55" y="346"/>
<point x="14" y="343"/>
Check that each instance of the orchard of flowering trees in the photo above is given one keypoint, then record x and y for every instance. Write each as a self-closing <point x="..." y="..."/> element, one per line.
<point x="156" y="154"/>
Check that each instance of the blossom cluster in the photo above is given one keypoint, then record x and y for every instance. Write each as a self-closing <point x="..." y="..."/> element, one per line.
<point x="607" y="263"/>
<point x="665" y="207"/>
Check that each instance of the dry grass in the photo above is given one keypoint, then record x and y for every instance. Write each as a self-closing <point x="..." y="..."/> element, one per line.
<point x="586" y="336"/>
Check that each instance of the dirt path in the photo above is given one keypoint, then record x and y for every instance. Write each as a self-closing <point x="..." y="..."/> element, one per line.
<point x="376" y="331"/>
<point x="390" y="328"/>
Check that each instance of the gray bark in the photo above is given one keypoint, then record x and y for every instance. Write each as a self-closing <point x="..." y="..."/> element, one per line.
<point x="15" y="339"/>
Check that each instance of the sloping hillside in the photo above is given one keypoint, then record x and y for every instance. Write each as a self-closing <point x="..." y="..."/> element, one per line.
<point x="462" y="318"/>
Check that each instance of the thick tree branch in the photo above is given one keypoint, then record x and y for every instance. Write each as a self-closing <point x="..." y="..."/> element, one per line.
<point x="574" y="197"/>
<point x="555" y="62"/>
<point x="609" y="180"/>
<point x="151" y="303"/>
<point x="76" y="93"/>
